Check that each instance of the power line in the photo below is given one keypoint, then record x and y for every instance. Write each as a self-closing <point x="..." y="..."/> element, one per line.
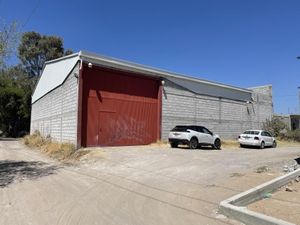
<point x="31" y="13"/>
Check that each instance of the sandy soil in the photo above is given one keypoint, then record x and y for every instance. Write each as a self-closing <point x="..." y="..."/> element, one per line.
<point x="131" y="185"/>
<point x="283" y="204"/>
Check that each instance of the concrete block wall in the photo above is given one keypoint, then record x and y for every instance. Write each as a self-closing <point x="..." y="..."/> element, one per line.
<point x="226" y="117"/>
<point x="55" y="114"/>
<point x="286" y="119"/>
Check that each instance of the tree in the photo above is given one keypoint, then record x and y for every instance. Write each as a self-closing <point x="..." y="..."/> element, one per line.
<point x="15" y="96"/>
<point x="35" y="49"/>
<point x="17" y="83"/>
<point x="9" y="37"/>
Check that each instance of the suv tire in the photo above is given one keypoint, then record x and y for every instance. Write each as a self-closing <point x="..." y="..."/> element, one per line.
<point x="217" y="144"/>
<point x="262" y="145"/>
<point x="193" y="143"/>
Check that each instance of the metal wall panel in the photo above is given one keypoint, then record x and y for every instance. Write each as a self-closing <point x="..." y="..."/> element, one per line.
<point x="119" y="108"/>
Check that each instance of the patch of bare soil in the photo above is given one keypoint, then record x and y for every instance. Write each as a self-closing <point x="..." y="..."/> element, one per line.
<point x="283" y="204"/>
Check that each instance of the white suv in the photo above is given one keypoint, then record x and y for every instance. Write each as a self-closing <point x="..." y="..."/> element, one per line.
<point x="193" y="136"/>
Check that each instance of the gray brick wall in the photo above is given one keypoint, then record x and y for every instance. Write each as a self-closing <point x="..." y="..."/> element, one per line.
<point x="55" y="114"/>
<point x="226" y="117"/>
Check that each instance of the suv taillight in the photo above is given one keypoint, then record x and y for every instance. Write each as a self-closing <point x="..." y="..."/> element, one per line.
<point x="256" y="138"/>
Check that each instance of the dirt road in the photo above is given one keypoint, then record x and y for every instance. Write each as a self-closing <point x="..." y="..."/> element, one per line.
<point x="133" y="185"/>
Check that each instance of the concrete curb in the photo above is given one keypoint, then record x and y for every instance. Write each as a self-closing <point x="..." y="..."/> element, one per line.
<point x="235" y="207"/>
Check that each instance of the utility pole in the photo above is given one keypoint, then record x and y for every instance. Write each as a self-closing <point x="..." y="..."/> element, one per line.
<point x="299" y="98"/>
<point x="299" y="91"/>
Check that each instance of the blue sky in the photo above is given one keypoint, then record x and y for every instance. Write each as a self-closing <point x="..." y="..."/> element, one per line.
<point x="240" y="43"/>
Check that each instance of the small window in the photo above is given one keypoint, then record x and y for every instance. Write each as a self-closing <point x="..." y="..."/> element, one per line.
<point x="194" y="128"/>
<point x="268" y="134"/>
<point x="199" y="129"/>
<point x="180" y="128"/>
<point x="251" y="132"/>
<point x="206" y="131"/>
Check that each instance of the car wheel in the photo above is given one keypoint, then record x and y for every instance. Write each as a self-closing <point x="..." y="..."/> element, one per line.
<point x="193" y="143"/>
<point x="174" y="145"/>
<point x="217" y="144"/>
<point x="262" y="145"/>
<point x="274" y="145"/>
<point x="242" y="146"/>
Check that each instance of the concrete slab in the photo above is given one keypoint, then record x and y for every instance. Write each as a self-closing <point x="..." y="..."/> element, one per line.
<point x="235" y="207"/>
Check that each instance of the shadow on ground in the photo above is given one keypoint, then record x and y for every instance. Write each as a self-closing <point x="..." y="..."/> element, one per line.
<point x="17" y="171"/>
<point x="9" y="139"/>
<point x="199" y="148"/>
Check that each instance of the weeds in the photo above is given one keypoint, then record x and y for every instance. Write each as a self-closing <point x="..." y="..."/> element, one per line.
<point x="60" y="151"/>
<point x="262" y="169"/>
<point x="237" y="175"/>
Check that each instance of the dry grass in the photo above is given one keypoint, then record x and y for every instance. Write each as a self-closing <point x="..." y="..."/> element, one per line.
<point x="86" y="154"/>
<point x="230" y="144"/>
<point x="262" y="169"/>
<point x="237" y="175"/>
<point x="35" y="140"/>
<point x="60" y="151"/>
<point x="284" y="143"/>
<point x="160" y="143"/>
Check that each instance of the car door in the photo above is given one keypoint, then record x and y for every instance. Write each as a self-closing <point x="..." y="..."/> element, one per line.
<point x="269" y="138"/>
<point x="206" y="135"/>
<point x="266" y="138"/>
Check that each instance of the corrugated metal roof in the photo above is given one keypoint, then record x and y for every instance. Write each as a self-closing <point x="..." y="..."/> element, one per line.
<point x="53" y="75"/>
<point x="56" y="71"/>
<point x="129" y="66"/>
<point x="212" y="90"/>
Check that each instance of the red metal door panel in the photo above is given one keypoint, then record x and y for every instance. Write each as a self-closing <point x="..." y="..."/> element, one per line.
<point x="121" y="109"/>
<point x="106" y="126"/>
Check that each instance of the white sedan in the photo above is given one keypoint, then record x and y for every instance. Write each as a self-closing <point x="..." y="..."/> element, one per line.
<point x="259" y="138"/>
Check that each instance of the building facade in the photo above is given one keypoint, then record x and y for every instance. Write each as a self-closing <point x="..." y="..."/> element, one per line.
<point x="91" y="100"/>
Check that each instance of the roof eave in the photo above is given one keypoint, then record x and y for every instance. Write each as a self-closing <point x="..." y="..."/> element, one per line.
<point x="133" y="67"/>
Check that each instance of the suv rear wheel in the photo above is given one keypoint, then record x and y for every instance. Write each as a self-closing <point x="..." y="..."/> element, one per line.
<point x="193" y="143"/>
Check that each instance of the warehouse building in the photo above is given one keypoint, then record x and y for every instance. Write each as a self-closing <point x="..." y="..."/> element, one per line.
<point x="91" y="100"/>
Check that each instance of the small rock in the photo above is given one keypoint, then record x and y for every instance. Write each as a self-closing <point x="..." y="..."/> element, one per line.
<point x="285" y="169"/>
<point x="289" y="189"/>
<point x="220" y="216"/>
<point x="297" y="179"/>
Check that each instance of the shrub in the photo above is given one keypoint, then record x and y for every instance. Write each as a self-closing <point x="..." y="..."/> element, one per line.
<point x="275" y="126"/>
<point x="292" y="135"/>
<point x="35" y="140"/>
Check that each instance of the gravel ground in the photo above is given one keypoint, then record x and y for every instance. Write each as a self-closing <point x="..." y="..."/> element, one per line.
<point x="283" y="204"/>
<point x="130" y="185"/>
